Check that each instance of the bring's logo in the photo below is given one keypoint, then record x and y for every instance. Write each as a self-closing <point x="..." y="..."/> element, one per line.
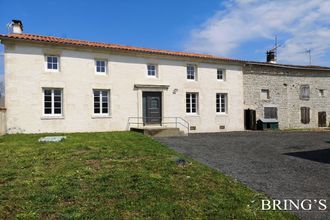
<point x="294" y="204"/>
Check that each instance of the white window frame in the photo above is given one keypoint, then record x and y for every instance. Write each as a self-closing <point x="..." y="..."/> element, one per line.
<point x="195" y="72"/>
<point x="52" y="114"/>
<point x="219" y="102"/>
<point x="223" y="74"/>
<point x="156" y="70"/>
<point x="191" y="103"/>
<point x="105" y="67"/>
<point x="58" y="63"/>
<point x="101" y="102"/>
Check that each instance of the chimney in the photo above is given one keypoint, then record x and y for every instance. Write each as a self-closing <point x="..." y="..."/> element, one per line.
<point x="16" y="27"/>
<point x="271" y="56"/>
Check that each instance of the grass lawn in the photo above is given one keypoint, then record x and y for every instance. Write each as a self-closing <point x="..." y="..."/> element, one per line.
<point x="115" y="175"/>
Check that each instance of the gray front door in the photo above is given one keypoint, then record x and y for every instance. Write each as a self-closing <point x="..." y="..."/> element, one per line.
<point x="152" y="107"/>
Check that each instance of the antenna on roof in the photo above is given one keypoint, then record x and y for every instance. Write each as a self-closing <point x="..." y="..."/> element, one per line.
<point x="309" y="51"/>
<point x="272" y="53"/>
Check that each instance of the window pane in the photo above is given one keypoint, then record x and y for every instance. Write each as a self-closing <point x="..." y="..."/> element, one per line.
<point x="104" y="93"/>
<point x="97" y="93"/>
<point x="57" y="111"/>
<point x="48" y="111"/>
<point x="48" y="105"/>
<point x="57" y="92"/>
<point x="104" y="110"/>
<point x="96" y="110"/>
<point x="57" y="105"/>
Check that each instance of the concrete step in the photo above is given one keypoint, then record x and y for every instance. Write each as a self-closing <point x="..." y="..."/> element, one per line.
<point x="160" y="132"/>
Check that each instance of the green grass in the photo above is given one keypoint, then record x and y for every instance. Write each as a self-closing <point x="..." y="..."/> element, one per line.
<point x="115" y="175"/>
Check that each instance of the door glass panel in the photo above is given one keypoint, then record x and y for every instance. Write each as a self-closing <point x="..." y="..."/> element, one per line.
<point x="154" y="103"/>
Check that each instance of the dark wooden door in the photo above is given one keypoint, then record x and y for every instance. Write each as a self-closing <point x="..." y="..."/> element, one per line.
<point x="152" y="107"/>
<point x="322" y="119"/>
<point x="250" y="119"/>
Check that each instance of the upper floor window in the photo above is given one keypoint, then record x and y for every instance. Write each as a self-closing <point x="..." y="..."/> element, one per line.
<point x="221" y="74"/>
<point x="152" y="70"/>
<point x="270" y="113"/>
<point x="101" y="102"/>
<point x="322" y="92"/>
<point x="304" y="92"/>
<point x="100" y="66"/>
<point x="191" y="72"/>
<point x="52" y="101"/>
<point x="52" y="63"/>
<point x="191" y="102"/>
<point x="221" y="103"/>
<point x="264" y="94"/>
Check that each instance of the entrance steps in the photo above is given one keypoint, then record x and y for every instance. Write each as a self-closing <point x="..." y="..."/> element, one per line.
<point x="159" y="131"/>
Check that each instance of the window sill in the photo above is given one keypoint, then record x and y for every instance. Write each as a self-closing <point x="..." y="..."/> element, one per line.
<point x="101" y="116"/>
<point x="221" y="114"/>
<point x="101" y="74"/>
<point x="51" y="117"/>
<point x="52" y="71"/>
<point x="192" y="115"/>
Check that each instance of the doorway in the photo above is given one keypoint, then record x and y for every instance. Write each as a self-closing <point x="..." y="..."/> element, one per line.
<point x="322" y="119"/>
<point x="152" y="108"/>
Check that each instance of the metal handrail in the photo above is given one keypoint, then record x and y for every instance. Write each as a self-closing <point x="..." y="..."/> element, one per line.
<point x="142" y="121"/>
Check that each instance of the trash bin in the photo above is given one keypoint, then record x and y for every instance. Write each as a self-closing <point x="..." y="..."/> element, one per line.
<point x="266" y="124"/>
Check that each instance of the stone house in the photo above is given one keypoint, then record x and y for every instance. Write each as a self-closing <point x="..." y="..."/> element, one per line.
<point x="293" y="96"/>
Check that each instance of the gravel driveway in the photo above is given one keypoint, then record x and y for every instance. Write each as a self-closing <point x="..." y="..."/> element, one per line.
<point x="293" y="165"/>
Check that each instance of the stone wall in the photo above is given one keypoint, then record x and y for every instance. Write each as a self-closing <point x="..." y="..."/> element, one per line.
<point x="284" y="87"/>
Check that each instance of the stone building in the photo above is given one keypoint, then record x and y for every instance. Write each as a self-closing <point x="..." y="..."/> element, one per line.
<point x="293" y="96"/>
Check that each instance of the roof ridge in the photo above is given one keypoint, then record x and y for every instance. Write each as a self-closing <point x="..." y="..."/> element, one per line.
<point x="54" y="39"/>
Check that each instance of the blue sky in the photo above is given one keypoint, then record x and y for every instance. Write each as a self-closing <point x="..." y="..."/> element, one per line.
<point x="241" y="29"/>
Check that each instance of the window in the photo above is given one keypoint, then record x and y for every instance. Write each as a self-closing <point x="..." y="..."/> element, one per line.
<point x="152" y="70"/>
<point x="305" y="115"/>
<point x="52" y="101"/>
<point x="100" y="66"/>
<point x="264" y="95"/>
<point x="221" y="103"/>
<point x="191" y="72"/>
<point x="101" y="102"/>
<point x="321" y="92"/>
<point x="220" y="74"/>
<point x="191" y="103"/>
<point x="270" y="113"/>
<point x="304" y="92"/>
<point x="52" y="63"/>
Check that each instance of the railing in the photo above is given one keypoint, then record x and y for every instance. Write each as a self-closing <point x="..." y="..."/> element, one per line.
<point x="177" y="121"/>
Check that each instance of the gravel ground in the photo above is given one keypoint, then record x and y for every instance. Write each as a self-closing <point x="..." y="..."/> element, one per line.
<point x="293" y="165"/>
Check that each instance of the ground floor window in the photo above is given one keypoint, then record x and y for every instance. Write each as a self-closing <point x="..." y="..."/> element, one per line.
<point x="221" y="103"/>
<point x="305" y="115"/>
<point x="191" y="102"/>
<point x="270" y="113"/>
<point x="52" y="101"/>
<point x="101" y="102"/>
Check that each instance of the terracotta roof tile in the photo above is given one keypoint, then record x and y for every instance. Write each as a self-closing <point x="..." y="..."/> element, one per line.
<point x="57" y="40"/>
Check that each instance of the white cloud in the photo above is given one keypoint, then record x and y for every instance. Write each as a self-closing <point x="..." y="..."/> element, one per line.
<point x="305" y="24"/>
